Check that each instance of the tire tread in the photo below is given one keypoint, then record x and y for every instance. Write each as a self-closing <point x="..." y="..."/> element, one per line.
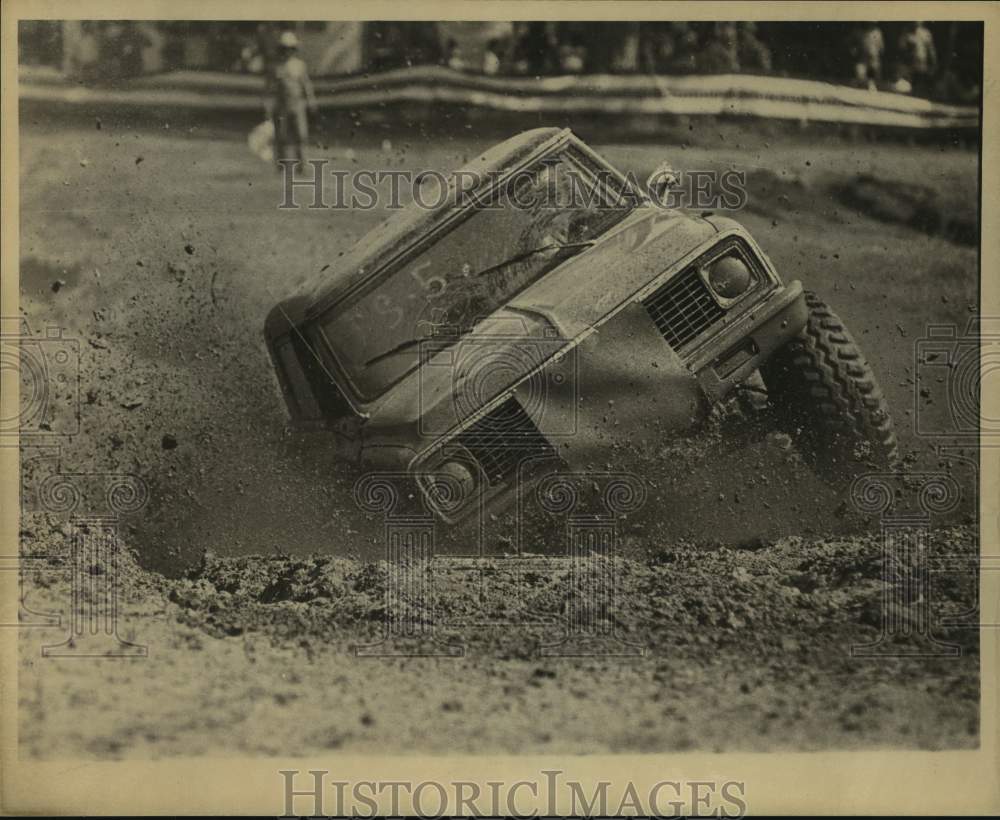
<point x="822" y="385"/>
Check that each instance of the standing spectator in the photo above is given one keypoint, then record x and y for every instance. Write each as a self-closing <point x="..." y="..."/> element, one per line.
<point x="572" y="53"/>
<point x="491" y="58"/>
<point x="132" y="42"/>
<point x="109" y="43"/>
<point x="81" y="57"/>
<point x="721" y="54"/>
<point x="536" y="48"/>
<point x="421" y="44"/>
<point x="266" y="42"/>
<point x="453" y="55"/>
<point x="753" y="54"/>
<point x="656" y="47"/>
<point x="290" y="92"/>
<point x="626" y="59"/>
<point x="918" y="57"/>
<point x="685" y="56"/>
<point x="868" y="49"/>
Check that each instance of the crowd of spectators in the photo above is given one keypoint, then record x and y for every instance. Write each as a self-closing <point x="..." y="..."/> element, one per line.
<point x="626" y="48"/>
<point x="941" y="60"/>
<point x="901" y="57"/>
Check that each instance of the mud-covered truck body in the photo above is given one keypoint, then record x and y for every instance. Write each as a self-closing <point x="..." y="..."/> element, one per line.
<point x="543" y="312"/>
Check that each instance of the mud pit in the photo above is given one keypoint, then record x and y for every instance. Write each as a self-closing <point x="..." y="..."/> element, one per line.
<point x="252" y="656"/>
<point x="161" y="251"/>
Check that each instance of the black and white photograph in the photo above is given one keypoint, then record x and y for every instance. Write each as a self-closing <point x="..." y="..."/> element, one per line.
<point x="608" y="381"/>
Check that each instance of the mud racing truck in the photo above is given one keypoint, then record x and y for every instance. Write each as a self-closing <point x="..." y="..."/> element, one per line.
<point x="540" y="310"/>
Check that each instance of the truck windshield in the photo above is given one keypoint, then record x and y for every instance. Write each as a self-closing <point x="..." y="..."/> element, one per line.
<point x="543" y="216"/>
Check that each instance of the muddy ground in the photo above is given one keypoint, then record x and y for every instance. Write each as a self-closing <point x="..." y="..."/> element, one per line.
<point x="712" y="649"/>
<point x="158" y="248"/>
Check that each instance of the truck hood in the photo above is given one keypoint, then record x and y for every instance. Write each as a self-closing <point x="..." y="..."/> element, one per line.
<point x="585" y="289"/>
<point x="533" y="333"/>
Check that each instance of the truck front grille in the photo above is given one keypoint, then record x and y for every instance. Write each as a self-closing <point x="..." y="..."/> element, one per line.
<point x="683" y="308"/>
<point x="504" y="438"/>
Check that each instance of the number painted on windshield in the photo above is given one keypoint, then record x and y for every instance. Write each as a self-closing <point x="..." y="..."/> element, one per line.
<point x="429" y="283"/>
<point x="385" y="306"/>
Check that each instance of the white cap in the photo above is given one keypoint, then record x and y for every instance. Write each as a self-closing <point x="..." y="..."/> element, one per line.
<point x="288" y="40"/>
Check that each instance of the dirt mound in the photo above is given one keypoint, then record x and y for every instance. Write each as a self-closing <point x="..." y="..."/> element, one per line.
<point x="912" y="204"/>
<point x="252" y="655"/>
<point x="812" y="594"/>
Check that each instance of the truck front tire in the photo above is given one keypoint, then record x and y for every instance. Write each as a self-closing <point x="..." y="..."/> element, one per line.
<point x="823" y="392"/>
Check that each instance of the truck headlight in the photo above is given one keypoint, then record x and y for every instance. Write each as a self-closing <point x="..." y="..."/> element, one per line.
<point x="729" y="276"/>
<point x="460" y="481"/>
<point x="450" y="485"/>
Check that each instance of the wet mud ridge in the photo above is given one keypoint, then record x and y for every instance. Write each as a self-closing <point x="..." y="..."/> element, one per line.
<point x="811" y="593"/>
<point x="714" y="648"/>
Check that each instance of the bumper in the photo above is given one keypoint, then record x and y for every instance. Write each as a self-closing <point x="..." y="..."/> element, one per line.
<point x="741" y="348"/>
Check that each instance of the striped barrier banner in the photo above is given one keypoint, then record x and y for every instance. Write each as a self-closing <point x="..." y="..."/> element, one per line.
<point x="731" y="95"/>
